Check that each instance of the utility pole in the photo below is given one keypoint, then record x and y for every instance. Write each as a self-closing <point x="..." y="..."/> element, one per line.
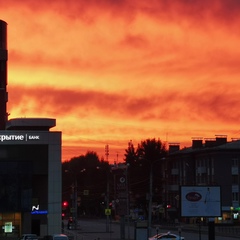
<point x="75" y="204"/>
<point x="107" y="195"/>
<point x="74" y="198"/>
<point x="150" y="202"/>
<point x="150" y="196"/>
<point x="106" y="152"/>
<point x="107" y="203"/>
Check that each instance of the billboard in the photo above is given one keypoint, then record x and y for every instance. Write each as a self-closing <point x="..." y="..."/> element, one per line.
<point x="200" y="201"/>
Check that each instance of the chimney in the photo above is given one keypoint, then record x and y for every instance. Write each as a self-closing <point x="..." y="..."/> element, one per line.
<point x="173" y="147"/>
<point x="3" y="75"/>
<point x="221" y="139"/>
<point x="210" y="142"/>
<point x="197" y="143"/>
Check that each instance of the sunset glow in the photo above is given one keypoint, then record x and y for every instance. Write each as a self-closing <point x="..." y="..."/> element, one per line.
<point x="111" y="71"/>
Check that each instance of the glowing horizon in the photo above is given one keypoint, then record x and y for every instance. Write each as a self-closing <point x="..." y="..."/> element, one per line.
<point x="114" y="71"/>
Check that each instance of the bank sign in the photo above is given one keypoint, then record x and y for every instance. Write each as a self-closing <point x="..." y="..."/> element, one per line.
<point x="19" y="137"/>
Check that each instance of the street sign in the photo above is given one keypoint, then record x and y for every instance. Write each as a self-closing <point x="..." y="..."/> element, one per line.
<point x="161" y="210"/>
<point x="85" y="192"/>
<point x="107" y="211"/>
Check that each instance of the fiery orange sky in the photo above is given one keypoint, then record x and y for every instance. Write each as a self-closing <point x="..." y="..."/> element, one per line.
<point x="111" y="71"/>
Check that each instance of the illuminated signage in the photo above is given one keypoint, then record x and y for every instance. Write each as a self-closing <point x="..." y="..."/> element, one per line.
<point x="18" y="137"/>
<point x="39" y="212"/>
<point x="8" y="227"/>
<point x="35" y="210"/>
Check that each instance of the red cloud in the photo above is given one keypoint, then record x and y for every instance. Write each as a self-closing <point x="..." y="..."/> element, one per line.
<point x="218" y="106"/>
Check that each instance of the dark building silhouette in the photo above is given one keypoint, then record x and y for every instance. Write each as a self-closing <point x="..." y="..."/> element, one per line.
<point x="215" y="162"/>
<point x="3" y="74"/>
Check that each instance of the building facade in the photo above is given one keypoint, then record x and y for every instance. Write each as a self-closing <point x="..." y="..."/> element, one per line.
<point x="215" y="162"/>
<point x="30" y="178"/>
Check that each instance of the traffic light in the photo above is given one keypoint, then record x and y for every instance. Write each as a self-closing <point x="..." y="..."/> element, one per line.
<point x="64" y="205"/>
<point x="169" y="206"/>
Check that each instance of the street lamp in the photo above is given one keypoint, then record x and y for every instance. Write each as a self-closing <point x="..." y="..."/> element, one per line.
<point x="107" y="199"/>
<point x="150" y="197"/>
<point x="74" y="198"/>
<point x="150" y="200"/>
<point x="75" y="204"/>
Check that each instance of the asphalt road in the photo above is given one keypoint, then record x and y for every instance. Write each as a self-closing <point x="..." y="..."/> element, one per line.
<point x="93" y="229"/>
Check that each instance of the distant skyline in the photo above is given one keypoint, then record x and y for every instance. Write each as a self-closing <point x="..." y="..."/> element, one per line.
<point x="111" y="71"/>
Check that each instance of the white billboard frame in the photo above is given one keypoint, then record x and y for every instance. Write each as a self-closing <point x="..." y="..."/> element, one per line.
<point x="201" y="201"/>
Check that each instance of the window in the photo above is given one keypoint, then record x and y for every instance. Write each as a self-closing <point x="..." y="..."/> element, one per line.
<point x="235" y="196"/>
<point x="234" y="179"/>
<point x="235" y="162"/>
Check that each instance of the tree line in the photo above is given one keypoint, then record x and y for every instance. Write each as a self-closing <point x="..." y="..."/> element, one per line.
<point x="93" y="180"/>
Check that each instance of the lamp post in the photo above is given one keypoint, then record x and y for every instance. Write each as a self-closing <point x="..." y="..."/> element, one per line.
<point x="107" y="203"/>
<point x="150" y="197"/>
<point x="74" y="198"/>
<point x="107" y="199"/>
<point x="74" y="204"/>
<point x="150" y="201"/>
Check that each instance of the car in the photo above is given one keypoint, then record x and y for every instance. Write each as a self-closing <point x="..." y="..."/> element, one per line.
<point x="29" y="236"/>
<point x="56" y="237"/>
<point x="166" y="236"/>
<point x="60" y="237"/>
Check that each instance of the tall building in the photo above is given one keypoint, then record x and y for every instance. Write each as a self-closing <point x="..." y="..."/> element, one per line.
<point x="30" y="168"/>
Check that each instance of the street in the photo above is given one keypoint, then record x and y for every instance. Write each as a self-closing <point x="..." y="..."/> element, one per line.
<point x="94" y="229"/>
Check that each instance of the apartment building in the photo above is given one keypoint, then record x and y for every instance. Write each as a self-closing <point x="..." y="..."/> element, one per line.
<point x="208" y="162"/>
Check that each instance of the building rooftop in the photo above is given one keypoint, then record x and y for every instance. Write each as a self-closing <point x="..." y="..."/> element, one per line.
<point x="39" y="124"/>
<point x="231" y="145"/>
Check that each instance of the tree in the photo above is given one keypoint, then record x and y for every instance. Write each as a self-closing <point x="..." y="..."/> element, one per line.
<point x="88" y="175"/>
<point x="148" y="155"/>
<point x="131" y="154"/>
<point x="151" y="150"/>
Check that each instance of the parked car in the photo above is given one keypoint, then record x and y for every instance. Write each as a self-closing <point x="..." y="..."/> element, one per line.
<point x="56" y="237"/>
<point x="29" y="236"/>
<point x="166" y="236"/>
<point x="60" y="237"/>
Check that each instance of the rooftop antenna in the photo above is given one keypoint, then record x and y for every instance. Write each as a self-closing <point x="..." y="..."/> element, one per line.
<point x="117" y="157"/>
<point x="106" y="152"/>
